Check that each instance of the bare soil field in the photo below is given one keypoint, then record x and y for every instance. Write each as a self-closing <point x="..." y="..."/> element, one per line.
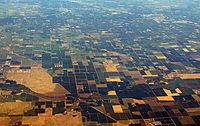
<point x="15" y="108"/>
<point x="46" y="119"/>
<point x="38" y="80"/>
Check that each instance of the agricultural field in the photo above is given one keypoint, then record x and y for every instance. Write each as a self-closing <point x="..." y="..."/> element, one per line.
<point x="99" y="62"/>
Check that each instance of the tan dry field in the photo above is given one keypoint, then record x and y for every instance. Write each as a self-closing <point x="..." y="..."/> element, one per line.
<point x="57" y="95"/>
<point x="38" y="80"/>
<point x="110" y="66"/>
<point x="54" y="120"/>
<point x="5" y="121"/>
<point x="46" y="119"/>
<point x="15" y="108"/>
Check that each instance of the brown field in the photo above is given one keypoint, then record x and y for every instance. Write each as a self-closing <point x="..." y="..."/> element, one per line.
<point x="15" y="108"/>
<point x="110" y="66"/>
<point x="38" y="80"/>
<point x="5" y="121"/>
<point x="54" y="120"/>
<point x="46" y="119"/>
